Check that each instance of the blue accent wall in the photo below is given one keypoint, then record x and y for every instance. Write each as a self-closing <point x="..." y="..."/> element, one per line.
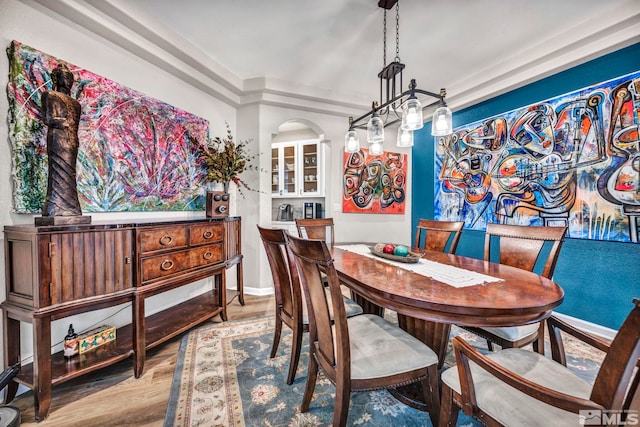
<point x="599" y="278"/>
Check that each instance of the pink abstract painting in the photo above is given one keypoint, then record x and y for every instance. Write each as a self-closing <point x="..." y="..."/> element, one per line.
<point x="136" y="152"/>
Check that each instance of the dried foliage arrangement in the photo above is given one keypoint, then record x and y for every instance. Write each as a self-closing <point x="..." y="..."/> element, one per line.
<point x="225" y="160"/>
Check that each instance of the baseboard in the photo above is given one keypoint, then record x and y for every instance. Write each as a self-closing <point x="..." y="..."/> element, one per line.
<point x="248" y="290"/>
<point x="593" y="328"/>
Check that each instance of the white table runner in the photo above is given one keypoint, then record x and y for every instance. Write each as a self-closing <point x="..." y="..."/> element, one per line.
<point x="453" y="276"/>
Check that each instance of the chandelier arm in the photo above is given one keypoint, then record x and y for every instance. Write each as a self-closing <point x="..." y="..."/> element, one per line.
<point x="407" y="93"/>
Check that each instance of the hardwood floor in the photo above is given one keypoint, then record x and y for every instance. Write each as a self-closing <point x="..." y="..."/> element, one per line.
<point x="113" y="397"/>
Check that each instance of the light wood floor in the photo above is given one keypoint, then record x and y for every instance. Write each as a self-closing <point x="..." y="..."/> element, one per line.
<point x="114" y="397"/>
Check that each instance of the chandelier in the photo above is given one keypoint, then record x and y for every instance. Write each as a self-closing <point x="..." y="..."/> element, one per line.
<point x="398" y="106"/>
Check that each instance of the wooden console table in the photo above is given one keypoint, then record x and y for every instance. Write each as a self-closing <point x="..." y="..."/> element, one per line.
<point x="57" y="271"/>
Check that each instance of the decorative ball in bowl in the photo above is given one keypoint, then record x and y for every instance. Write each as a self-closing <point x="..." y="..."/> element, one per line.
<point x="395" y="252"/>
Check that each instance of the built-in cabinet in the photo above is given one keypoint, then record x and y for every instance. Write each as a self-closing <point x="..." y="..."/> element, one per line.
<point x="53" y="272"/>
<point x="297" y="169"/>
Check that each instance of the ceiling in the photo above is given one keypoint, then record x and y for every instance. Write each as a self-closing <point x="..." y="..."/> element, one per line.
<point x="332" y="50"/>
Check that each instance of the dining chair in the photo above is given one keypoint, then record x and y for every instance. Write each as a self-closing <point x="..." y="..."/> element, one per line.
<point x="316" y="228"/>
<point x="290" y="307"/>
<point x="358" y="353"/>
<point x="516" y="387"/>
<point x="441" y="236"/>
<point x="522" y="247"/>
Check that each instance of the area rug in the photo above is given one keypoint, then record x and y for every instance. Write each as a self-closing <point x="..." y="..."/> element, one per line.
<point x="224" y="377"/>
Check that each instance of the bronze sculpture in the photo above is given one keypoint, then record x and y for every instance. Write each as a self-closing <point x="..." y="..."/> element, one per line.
<point x="61" y="113"/>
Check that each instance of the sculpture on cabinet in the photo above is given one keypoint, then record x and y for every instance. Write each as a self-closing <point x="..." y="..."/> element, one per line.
<point x="61" y="113"/>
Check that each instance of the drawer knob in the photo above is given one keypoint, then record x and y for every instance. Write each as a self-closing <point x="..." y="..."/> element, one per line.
<point x="166" y="240"/>
<point x="208" y="255"/>
<point x="166" y="265"/>
<point x="207" y="234"/>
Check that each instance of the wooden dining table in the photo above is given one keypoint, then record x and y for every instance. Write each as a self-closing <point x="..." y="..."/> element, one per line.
<point x="427" y="306"/>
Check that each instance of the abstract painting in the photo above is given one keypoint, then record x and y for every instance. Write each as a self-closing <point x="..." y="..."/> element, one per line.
<point x="136" y="152"/>
<point x="374" y="184"/>
<point x="572" y="160"/>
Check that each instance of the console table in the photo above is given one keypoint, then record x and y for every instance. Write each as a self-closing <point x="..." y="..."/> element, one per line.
<point x="57" y="271"/>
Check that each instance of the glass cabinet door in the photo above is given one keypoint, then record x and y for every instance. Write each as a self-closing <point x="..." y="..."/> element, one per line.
<point x="275" y="170"/>
<point x="284" y="170"/>
<point x="311" y="170"/>
<point x="289" y="172"/>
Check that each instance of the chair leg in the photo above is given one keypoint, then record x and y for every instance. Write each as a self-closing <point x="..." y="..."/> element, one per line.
<point x="431" y="392"/>
<point x="448" y="409"/>
<point x="277" y="331"/>
<point x="296" y="346"/>
<point x="538" y="345"/>
<point x="312" y="376"/>
<point x="489" y="345"/>
<point x="341" y="402"/>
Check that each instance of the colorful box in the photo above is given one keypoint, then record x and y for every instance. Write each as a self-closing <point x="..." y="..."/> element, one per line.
<point x="96" y="337"/>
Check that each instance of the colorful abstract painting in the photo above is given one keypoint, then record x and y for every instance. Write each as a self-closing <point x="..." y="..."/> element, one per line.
<point x="374" y="184"/>
<point x="572" y="160"/>
<point x="136" y="152"/>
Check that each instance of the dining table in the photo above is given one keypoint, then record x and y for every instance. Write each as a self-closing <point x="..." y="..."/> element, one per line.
<point x="438" y="290"/>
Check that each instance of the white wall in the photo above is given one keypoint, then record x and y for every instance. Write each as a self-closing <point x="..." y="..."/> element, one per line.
<point x="31" y="26"/>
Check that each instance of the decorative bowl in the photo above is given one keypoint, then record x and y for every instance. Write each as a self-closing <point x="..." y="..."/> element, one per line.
<point x="412" y="257"/>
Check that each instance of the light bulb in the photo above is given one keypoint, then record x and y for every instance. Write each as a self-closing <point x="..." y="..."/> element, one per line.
<point x="412" y="115"/>
<point x="351" y="142"/>
<point x="441" y="124"/>
<point x="405" y="138"/>
<point x="375" y="148"/>
<point x="375" y="129"/>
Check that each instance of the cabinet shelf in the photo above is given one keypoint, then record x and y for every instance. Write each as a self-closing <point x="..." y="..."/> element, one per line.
<point x="161" y="327"/>
<point x="63" y="369"/>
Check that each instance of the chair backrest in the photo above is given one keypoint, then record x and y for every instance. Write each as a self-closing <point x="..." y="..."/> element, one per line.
<point x="287" y="289"/>
<point x="611" y="388"/>
<point x="435" y="235"/>
<point x="316" y="229"/>
<point x="520" y="246"/>
<point x="312" y="258"/>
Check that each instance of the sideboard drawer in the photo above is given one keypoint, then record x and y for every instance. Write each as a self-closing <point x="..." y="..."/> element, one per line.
<point x="160" y="266"/>
<point x="206" y="255"/>
<point x="206" y="233"/>
<point x="164" y="238"/>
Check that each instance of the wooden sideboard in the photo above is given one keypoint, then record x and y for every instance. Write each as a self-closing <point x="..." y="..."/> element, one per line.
<point x="57" y="271"/>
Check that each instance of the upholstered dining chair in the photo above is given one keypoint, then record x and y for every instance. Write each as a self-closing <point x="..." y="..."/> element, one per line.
<point x="358" y="353"/>
<point x="316" y="228"/>
<point x="522" y="247"/>
<point x="441" y="236"/>
<point x="290" y="307"/>
<point x="516" y="387"/>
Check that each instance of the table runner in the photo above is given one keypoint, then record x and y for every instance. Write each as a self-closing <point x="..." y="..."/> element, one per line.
<point x="453" y="276"/>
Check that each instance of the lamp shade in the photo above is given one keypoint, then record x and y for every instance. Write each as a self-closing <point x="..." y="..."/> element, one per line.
<point x="375" y="129"/>
<point x="412" y="115"/>
<point x="375" y="148"/>
<point x="351" y="141"/>
<point x="405" y="137"/>
<point x="441" y="124"/>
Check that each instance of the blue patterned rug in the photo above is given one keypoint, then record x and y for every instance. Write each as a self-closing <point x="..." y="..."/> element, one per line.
<point x="224" y="377"/>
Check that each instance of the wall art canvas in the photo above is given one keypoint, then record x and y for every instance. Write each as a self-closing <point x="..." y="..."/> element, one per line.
<point x="374" y="184"/>
<point x="572" y="160"/>
<point x="136" y="152"/>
